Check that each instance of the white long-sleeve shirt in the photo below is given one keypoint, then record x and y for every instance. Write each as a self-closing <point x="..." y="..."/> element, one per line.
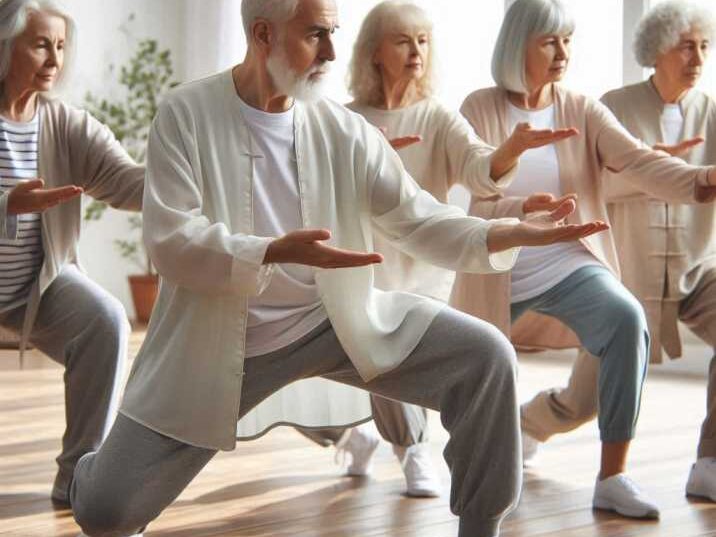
<point x="198" y="228"/>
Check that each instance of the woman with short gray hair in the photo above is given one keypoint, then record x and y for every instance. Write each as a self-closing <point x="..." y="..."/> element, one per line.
<point x="576" y="286"/>
<point x="44" y="296"/>
<point x="677" y="283"/>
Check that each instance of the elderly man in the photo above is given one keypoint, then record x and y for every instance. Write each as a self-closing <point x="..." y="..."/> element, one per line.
<point x="234" y="161"/>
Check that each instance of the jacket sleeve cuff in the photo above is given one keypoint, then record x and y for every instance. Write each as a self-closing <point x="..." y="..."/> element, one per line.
<point x="507" y="178"/>
<point x="506" y="259"/>
<point x="8" y="223"/>
<point x="250" y="273"/>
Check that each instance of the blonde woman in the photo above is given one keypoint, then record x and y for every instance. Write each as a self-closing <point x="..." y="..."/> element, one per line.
<point x="576" y="286"/>
<point x="391" y="78"/>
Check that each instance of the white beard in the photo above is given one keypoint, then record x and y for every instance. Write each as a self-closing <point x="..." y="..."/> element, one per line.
<point x="288" y="82"/>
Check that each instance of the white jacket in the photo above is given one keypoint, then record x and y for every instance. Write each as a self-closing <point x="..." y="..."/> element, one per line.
<point x="186" y="380"/>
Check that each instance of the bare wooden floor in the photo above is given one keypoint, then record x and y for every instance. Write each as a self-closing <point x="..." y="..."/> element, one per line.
<point x="282" y="485"/>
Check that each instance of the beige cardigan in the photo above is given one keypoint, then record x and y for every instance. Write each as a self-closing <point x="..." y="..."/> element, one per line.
<point x="602" y="144"/>
<point x="74" y="149"/>
<point x="662" y="247"/>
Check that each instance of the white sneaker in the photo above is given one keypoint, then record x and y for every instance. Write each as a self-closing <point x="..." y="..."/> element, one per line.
<point x="421" y="477"/>
<point x="702" y="479"/>
<point x="360" y="443"/>
<point x="530" y="446"/>
<point x="619" y="493"/>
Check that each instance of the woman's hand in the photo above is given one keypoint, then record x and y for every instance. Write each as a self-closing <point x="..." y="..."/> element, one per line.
<point x="402" y="142"/>
<point x="681" y="148"/>
<point x="305" y="247"/>
<point x="31" y="197"/>
<point x="542" y="202"/>
<point x="542" y="230"/>
<point x="524" y="137"/>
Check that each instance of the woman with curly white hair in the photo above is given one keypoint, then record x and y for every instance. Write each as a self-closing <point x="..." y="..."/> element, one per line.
<point x="576" y="287"/>
<point x="667" y="250"/>
<point x="391" y="79"/>
<point x="44" y="295"/>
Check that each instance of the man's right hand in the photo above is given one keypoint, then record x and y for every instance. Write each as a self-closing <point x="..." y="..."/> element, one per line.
<point x="542" y="230"/>
<point x="31" y="197"/>
<point x="306" y="247"/>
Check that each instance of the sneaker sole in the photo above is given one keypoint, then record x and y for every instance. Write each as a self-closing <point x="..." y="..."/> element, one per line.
<point x="692" y="492"/>
<point x="606" y="506"/>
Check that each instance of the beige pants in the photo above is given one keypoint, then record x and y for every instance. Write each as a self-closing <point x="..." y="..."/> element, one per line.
<point x="564" y="409"/>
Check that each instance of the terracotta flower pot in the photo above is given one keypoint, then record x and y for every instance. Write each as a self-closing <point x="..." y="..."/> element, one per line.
<point x="144" y="293"/>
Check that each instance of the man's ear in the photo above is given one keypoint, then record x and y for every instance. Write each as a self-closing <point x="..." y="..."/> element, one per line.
<point x="262" y="34"/>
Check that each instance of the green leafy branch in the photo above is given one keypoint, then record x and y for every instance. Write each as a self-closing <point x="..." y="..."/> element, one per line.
<point x="146" y="77"/>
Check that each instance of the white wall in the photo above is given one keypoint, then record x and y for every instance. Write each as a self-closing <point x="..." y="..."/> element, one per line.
<point x="101" y="42"/>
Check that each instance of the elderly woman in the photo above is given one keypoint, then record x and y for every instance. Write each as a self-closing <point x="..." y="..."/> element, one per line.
<point x="576" y="285"/>
<point x="44" y="295"/>
<point x="391" y="79"/>
<point x="667" y="251"/>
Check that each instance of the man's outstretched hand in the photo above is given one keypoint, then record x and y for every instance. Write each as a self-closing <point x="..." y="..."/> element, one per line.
<point x="307" y="247"/>
<point x="542" y="230"/>
<point x="31" y="197"/>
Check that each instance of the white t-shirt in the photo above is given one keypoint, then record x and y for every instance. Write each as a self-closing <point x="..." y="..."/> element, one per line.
<point x="290" y="307"/>
<point x="538" y="269"/>
<point x="672" y="123"/>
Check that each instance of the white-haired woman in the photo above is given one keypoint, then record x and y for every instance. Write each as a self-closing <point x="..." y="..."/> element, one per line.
<point x="44" y="296"/>
<point x="576" y="286"/>
<point x="391" y="79"/>
<point x="667" y="251"/>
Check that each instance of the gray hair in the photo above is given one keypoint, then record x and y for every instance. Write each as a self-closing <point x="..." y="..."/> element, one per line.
<point x="271" y="10"/>
<point x="13" y="22"/>
<point x="364" y="78"/>
<point x="661" y="28"/>
<point x="524" y="20"/>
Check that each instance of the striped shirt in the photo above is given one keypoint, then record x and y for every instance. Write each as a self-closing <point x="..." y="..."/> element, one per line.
<point x="20" y="259"/>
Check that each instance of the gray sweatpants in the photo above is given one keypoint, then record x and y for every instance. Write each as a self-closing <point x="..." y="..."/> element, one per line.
<point x="463" y="367"/>
<point x="82" y="327"/>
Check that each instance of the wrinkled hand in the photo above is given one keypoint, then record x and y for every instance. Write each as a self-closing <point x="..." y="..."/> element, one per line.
<point x="541" y="202"/>
<point x="402" y="142"/>
<point x="525" y="137"/>
<point x="31" y="197"/>
<point x="306" y="247"/>
<point x="541" y="230"/>
<point x="681" y="148"/>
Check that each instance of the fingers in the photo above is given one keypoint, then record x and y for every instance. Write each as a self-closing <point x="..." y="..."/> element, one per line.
<point x="567" y="205"/>
<point x="405" y="141"/>
<point x="333" y="258"/>
<point x="31" y="184"/>
<point x="55" y="196"/>
<point x="688" y="144"/>
<point x="310" y="235"/>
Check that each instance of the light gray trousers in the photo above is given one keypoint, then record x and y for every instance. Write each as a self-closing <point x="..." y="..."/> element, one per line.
<point x="82" y="327"/>
<point x="564" y="409"/>
<point x="463" y="367"/>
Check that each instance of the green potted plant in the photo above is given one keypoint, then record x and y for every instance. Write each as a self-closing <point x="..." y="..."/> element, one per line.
<point x="144" y="79"/>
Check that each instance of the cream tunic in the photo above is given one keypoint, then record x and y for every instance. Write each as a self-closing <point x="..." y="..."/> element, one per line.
<point x="664" y="247"/>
